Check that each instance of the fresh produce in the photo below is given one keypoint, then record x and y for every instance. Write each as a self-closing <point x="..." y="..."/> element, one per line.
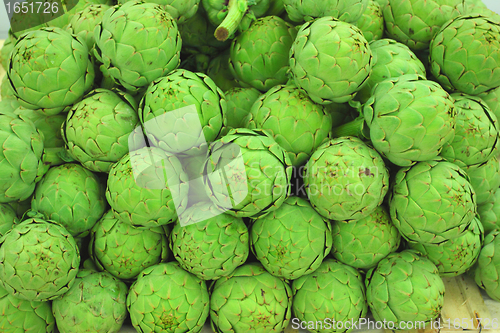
<point x="371" y="22"/>
<point x="345" y="10"/>
<point x="487" y="267"/>
<point x="6" y="49"/>
<point x="84" y="22"/>
<point x="489" y="213"/>
<point x="180" y="10"/>
<point x="239" y="102"/>
<point x="8" y="218"/>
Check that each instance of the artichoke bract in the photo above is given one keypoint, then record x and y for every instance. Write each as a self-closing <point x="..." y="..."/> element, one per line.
<point x="137" y="43"/>
<point x="219" y="71"/>
<point x="166" y="298"/>
<point x="492" y="99"/>
<point x="329" y="299"/>
<point x="415" y="23"/>
<point x="180" y="10"/>
<point x="345" y="10"/>
<point x="476" y="132"/>
<point x="97" y="129"/>
<point x="432" y="202"/>
<point x="21" y="157"/>
<point x="84" y="22"/>
<point x="297" y="124"/>
<point x="50" y="85"/>
<point x="8" y="218"/>
<point x="291" y="241"/>
<point x="247" y="173"/>
<point x="6" y="49"/>
<point x="259" y="55"/>
<point x="345" y="179"/>
<point x="6" y="91"/>
<point x="390" y="59"/>
<point x="371" y="23"/>
<point x="72" y="196"/>
<point x="484" y="178"/>
<point x="39" y="259"/>
<point x="19" y="315"/>
<point x="404" y="287"/>
<point x="124" y="251"/>
<point x="489" y="213"/>
<point x="465" y="54"/>
<point x="330" y="60"/>
<point x="250" y="300"/>
<point x="487" y="268"/>
<point x="182" y="112"/>
<point x="212" y="247"/>
<point x="239" y="102"/>
<point x="95" y="303"/>
<point x="456" y="255"/>
<point x="147" y="188"/>
<point x="363" y="243"/>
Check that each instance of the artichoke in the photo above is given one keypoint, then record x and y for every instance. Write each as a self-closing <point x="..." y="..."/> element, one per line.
<point x="404" y="287"/>
<point x="363" y="243"/>
<point x="50" y="85"/>
<point x="6" y="49"/>
<point x="259" y="55"/>
<point x="345" y="10"/>
<point x="330" y="60"/>
<point x="49" y="126"/>
<point x="140" y="195"/>
<point x="95" y="303"/>
<point x="72" y="196"/>
<point x="239" y="102"/>
<point x="432" y="202"/>
<point x="456" y="255"/>
<point x="8" y="218"/>
<point x="487" y="268"/>
<point x="6" y="90"/>
<point x="390" y="59"/>
<point x="165" y="298"/>
<point x="219" y="71"/>
<point x="371" y="23"/>
<point x="489" y="213"/>
<point x="476" y="133"/>
<point x="485" y="179"/>
<point x="465" y="54"/>
<point x="19" y="315"/>
<point x="124" y="251"/>
<point x="332" y="296"/>
<point x="211" y="247"/>
<point x="291" y="241"/>
<point x="492" y="99"/>
<point x="137" y="43"/>
<point x="97" y="129"/>
<point x="182" y="112"/>
<point x="84" y="22"/>
<point x="247" y="173"/>
<point x="180" y="10"/>
<point x="297" y="124"/>
<point x="39" y="260"/>
<point x="345" y="179"/>
<point x="250" y="300"/>
<point x="21" y="157"/>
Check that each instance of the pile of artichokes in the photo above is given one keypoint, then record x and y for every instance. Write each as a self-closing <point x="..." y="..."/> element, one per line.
<point x="247" y="164"/>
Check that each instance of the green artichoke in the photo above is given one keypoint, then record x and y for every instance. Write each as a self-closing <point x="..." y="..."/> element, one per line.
<point x="9" y="105"/>
<point x="390" y="59"/>
<point x="137" y="43"/>
<point x="345" y="10"/>
<point x="39" y="259"/>
<point x="404" y="287"/>
<point x="165" y="298"/>
<point x="219" y="71"/>
<point x="297" y="124"/>
<point x="492" y="99"/>
<point x="456" y="255"/>
<point x="485" y="178"/>
<point x="489" y="213"/>
<point x="72" y="196"/>
<point x="180" y="10"/>
<point x="182" y="112"/>
<point x="291" y="241"/>
<point x="333" y="295"/>
<point x="6" y="49"/>
<point x="487" y="268"/>
<point x="465" y="54"/>
<point x="363" y="243"/>
<point x="140" y="195"/>
<point x="84" y="22"/>
<point x="239" y="102"/>
<point x="95" y="303"/>
<point x="51" y="85"/>
<point x="476" y="133"/>
<point x="8" y="218"/>
<point x="330" y="60"/>
<point x="74" y="6"/>
<point x="6" y="90"/>
<point x="97" y="129"/>
<point x="259" y="55"/>
<point x="49" y="126"/>
<point x="432" y="202"/>
<point x="19" y="315"/>
<point x="415" y="23"/>
<point x="21" y="157"/>
<point x="250" y="300"/>
<point x="124" y="251"/>
<point x="247" y="173"/>
<point x="214" y="245"/>
<point x="345" y="179"/>
<point x="371" y="23"/>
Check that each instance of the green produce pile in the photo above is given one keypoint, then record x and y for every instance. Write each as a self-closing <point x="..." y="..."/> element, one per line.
<point x="247" y="164"/>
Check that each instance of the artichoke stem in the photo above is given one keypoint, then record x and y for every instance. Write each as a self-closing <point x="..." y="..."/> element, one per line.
<point x="236" y="11"/>
<point x="352" y="128"/>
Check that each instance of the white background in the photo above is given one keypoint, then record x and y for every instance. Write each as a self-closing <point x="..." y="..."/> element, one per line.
<point x="4" y="21"/>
